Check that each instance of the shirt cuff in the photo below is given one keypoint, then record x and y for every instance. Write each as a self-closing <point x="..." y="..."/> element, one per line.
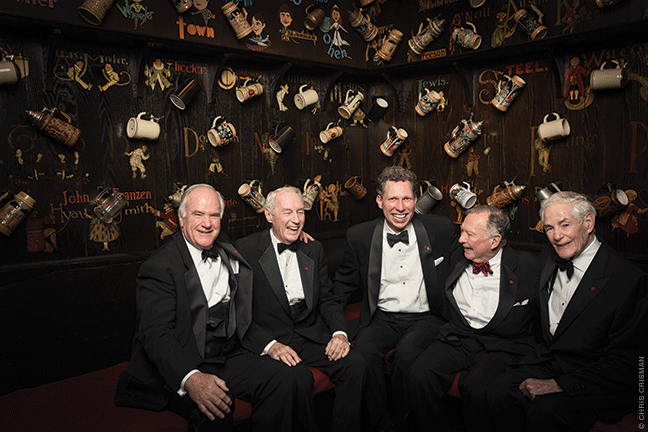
<point x="182" y="391"/>
<point x="267" y="347"/>
<point x="343" y="333"/>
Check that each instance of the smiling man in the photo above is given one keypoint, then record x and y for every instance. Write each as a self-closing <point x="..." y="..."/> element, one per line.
<point x="297" y="319"/>
<point x="492" y="306"/>
<point x="399" y="264"/>
<point x="593" y="317"/>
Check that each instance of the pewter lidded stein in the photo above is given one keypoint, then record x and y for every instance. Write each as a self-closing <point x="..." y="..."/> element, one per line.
<point x="462" y="136"/>
<point x="426" y="34"/>
<point x="46" y="121"/>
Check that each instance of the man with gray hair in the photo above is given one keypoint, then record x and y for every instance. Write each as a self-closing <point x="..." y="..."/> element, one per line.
<point x="297" y="321"/>
<point x="399" y="263"/>
<point x="491" y="308"/>
<point x="593" y="317"/>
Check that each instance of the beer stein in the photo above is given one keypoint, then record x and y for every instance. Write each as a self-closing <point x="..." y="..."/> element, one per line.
<point x="311" y="190"/>
<point x="377" y="110"/>
<point x="237" y="19"/>
<point x="251" y="194"/>
<point x="395" y="137"/>
<point x="314" y="17"/>
<point x="389" y="45"/>
<point x="94" y="11"/>
<point x="363" y="25"/>
<point x="221" y="132"/>
<point x="507" y="93"/>
<point x="14" y="211"/>
<point x="140" y="128"/>
<point x="305" y="97"/>
<point x="461" y="193"/>
<point x="462" y="136"/>
<point x="185" y="95"/>
<point x="426" y="34"/>
<point x="532" y="25"/>
<point x="62" y="130"/>
<point x="248" y="91"/>
<point x="428" y="199"/>
<point x="9" y="71"/>
<point x="546" y="192"/>
<point x="467" y="38"/>
<point x="605" y="3"/>
<point x="428" y="100"/>
<point x="503" y="196"/>
<point x="557" y="128"/>
<point x="604" y="79"/>
<point x="355" y="187"/>
<point x="282" y="137"/>
<point x="609" y="200"/>
<point x="351" y="103"/>
<point x="330" y="133"/>
<point x="108" y="204"/>
<point x="476" y="3"/>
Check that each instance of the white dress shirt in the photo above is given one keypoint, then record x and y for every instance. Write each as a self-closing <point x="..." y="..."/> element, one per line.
<point x="402" y="287"/>
<point x="564" y="289"/>
<point x="477" y="295"/>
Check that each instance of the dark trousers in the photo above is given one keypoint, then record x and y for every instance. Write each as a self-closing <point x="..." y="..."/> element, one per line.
<point x="432" y="376"/>
<point x="275" y="393"/>
<point x="349" y="374"/>
<point x="511" y="410"/>
<point x="409" y="335"/>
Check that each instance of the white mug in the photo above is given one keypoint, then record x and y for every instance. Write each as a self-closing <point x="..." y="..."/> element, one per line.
<point x="550" y="130"/>
<point x="330" y="133"/>
<point x="604" y="79"/>
<point x="305" y="98"/>
<point x="462" y="195"/>
<point x="140" y="128"/>
<point x="351" y="103"/>
<point x="9" y="72"/>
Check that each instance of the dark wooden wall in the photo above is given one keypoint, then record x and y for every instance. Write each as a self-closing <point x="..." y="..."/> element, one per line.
<point x="66" y="295"/>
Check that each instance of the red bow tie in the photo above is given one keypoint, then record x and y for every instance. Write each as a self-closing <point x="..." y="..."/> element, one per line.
<point x="483" y="268"/>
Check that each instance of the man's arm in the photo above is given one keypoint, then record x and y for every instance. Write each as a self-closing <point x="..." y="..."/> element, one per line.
<point x="347" y="278"/>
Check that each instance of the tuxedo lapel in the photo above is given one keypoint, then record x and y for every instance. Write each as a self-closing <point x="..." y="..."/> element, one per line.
<point x="270" y="267"/>
<point x="374" y="266"/>
<point x="593" y="282"/>
<point x="543" y="297"/>
<point x="307" y="273"/>
<point x="508" y="286"/>
<point x="451" y="282"/>
<point x="223" y="249"/>
<point x="427" y="256"/>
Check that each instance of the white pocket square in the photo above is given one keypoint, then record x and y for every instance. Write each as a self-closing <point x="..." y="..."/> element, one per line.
<point x="522" y="303"/>
<point x="438" y="261"/>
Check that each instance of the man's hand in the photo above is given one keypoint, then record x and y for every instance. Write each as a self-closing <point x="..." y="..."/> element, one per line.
<point x="208" y="392"/>
<point x="284" y="353"/>
<point x="532" y="387"/>
<point x="305" y="237"/>
<point x="337" y="348"/>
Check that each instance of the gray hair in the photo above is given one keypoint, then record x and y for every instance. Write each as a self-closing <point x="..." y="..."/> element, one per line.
<point x="182" y="208"/>
<point x="270" y="199"/>
<point x="395" y="174"/>
<point x="498" y="221"/>
<point x="582" y="205"/>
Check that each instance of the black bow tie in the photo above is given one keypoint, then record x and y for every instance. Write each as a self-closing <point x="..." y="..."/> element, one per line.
<point x="482" y="268"/>
<point x="282" y="247"/>
<point x="567" y="266"/>
<point x="392" y="239"/>
<point x="209" y="253"/>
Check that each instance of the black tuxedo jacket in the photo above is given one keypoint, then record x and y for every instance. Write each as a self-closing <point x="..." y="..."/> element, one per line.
<point x="362" y="261"/>
<point x="324" y="314"/>
<point x="511" y="329"/>
<point x="171" y="321"/>
<point x="602" y="332"/>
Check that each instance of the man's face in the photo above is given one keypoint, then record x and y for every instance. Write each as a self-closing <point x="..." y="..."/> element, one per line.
<point x="568" y="237"/>
<point x="285" y="18"/>
<point x="478" y="248"/>
<point x="288" y="217"/>
<point x="397" y="204"/>
<point x="201" y="223"/>
<point x="257" y="26"/>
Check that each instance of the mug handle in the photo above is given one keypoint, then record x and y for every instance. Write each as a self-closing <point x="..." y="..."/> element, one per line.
<point x="346" y="98"/>
<point x="307" y="9"/>
<point x="328" y="126"/>
<point x="474" y="29"/>
<point x="467" y="185"/>
<point x="301" y="89"/>
<point x="218" y="120"/>
<point x="390" y="129"/>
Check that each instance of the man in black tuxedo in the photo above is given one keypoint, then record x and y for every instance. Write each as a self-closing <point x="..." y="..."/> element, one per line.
<point x="492" y="306"/>
<point x="296" y="318"/>
<point x="194" y="305"/>
<point x="593" y="317"/>
<point x="400" y="263"/>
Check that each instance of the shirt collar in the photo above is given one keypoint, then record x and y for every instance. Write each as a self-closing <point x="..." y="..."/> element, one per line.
<point x="388" y="230"/>
<point x="582" y="261"/>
